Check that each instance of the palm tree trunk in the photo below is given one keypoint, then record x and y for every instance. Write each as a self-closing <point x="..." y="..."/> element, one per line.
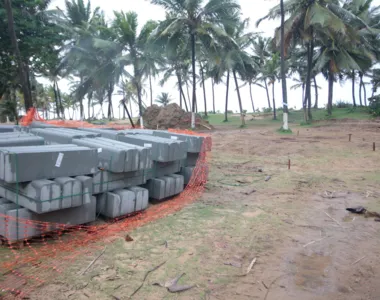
<point x="151" y="89"/>
<point x="309" y="70"/>
<point x="213" y="95"/>
<point x="204" y="88"/>
<point x="228" y="87"/>
<point x="21" y="66"/>
<point x="60" y="100"/>
<point x="353" y="88"/>
<point x="331" y="92"/>
<point x="250" y="93"/>
<point x="89" y="96"/>
<point x="267" y="90"/>
<point x="181" y="91"/>
<point x="274" y="102"/>
<point x="129" y="116"/>
<point x="180" y="98"/>
<point x="360" y="88"/>
<point x="110" y="109"/>
<point x="192" y="35"/>
<point x="365" y="94"/>
<point x="188" y="95"/>
<point x="239" y="98"/>
<point x="316" y="93"/>
<point x="304" y="101"/>
<point x="283" y="70"/>
<point x="57" y="107"/>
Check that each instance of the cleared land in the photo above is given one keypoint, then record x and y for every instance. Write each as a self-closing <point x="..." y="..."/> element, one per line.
<point x="307" y="246"/>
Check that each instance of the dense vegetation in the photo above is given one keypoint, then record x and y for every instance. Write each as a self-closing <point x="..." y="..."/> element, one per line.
<point x="199" y="40"/>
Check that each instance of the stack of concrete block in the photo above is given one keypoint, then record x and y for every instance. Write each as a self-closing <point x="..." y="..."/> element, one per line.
<point x="122" y="202"/>
<point x="54" y="135"/>
<point x="46" y="184"/>
<point x="15" y="220"/>
<point x="14" y="139"/>
<point x="167" y="154"/>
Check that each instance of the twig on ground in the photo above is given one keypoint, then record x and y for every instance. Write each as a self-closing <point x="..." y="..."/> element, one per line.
<point x="264" y="284"/>
<point x="94" y="261"/>
<point x="360" y="259"/>
<point x="145" y="277"/>
<point x="266" y="295"/>
<point x="333" y="219"/>
<point x="308" y="244"/>
<point x="249" y="267"/>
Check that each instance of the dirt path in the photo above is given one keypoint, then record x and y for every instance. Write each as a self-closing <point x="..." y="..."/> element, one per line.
<point x="295" y="224"/>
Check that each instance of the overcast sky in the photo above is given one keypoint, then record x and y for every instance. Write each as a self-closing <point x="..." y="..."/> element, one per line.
<point x="253" y="9"/>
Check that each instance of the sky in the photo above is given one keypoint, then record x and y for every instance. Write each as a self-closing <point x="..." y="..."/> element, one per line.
<point x="252" y="9"/>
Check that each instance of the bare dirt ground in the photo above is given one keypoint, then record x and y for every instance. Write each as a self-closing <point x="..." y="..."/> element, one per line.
<point x="296" y="224"/>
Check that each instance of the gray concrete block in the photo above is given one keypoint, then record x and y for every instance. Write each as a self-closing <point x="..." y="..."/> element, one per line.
<point x="104" y="181"/>
<point x="116" y="204"/>
<point x="71" y="192"/>
<point x="187" y="172"/>
<point x="156" y="188"/>
<point x="191" y="160"/>
<point x="87" y="188"/>
<point x="21" y="164"/>
<point x="179" y="183"/>
<point x="61" y="135"/>
<point x="23" y="140"/>
<point x="39" y="196"/>
<point x="163" y="150"/>
<point x="16" y="225"/>
<point x="169" y="186"/>
<point x="6" y="128"/>
<point x="194" y="142"/>
<point x="142" y="198"/>
<point x="109" y="134"/>
<point x="161" y="169"/>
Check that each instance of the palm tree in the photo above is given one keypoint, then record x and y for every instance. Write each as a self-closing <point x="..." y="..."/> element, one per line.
<point x="134" y="43"/>
<point x="261" y="49"/>
<point x="164" y="99"/>
<point x="21" y="66"/>
<point x="199" y="23"/>
<point x="283" y="70"/>
<point x="271" y="71"/>
<point x="311" y="19"/>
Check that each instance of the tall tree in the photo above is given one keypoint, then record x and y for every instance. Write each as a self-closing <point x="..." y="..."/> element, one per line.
<point x="283" y="70"/>
<point x="199" y="22"/>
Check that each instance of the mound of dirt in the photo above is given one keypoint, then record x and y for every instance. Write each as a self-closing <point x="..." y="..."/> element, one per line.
<point x="171" y="116"/>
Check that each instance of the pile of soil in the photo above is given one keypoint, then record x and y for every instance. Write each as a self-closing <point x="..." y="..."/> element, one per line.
<point x="171" y="116"/>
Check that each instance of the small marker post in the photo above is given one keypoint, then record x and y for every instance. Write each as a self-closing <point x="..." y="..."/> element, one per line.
<point x="374" y="146"/>
<point x="289" y="164"/>
<point x="349" y="137"/>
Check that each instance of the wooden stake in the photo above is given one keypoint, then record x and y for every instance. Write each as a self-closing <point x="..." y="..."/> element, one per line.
<point x="298" y="133"/>
<point x="289" y="164"/>
<point x="349" y="137"/>
<point x="374" y="146"/>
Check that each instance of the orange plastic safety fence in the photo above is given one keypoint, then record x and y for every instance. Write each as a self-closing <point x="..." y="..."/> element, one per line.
<point x="33" y="115"/>
<point x="43" y="258"/>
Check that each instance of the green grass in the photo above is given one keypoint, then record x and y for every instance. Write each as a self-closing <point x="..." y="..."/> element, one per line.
<point x="295" y="117"/>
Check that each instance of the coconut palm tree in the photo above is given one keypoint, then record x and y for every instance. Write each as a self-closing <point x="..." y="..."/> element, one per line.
<point x="134" y="44"/>
<point x="164" y="99"/>
<point x="308" y="20"/>
<point x="261" y="49"/>
<point x="271" y="72"/>
<point x="199" y="22"/>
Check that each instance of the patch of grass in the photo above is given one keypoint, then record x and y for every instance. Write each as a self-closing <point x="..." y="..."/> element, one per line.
<point x="284" y="131"/>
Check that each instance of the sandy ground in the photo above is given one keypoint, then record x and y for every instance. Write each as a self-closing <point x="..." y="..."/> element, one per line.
<point x="306" y="244"/>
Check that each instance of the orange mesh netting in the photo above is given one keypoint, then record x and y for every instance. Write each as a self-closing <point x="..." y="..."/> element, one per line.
<point x="41" y="259"/>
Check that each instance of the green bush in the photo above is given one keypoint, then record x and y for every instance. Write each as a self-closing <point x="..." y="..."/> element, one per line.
<point x="267" y="110"/>
<point x="342" y="104"/>
<point x="374" y="106"/>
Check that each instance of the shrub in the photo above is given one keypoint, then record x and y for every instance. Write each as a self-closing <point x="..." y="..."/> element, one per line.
<point x="267" y="110"/>
<point x="230" y="112"/>
<point x="374" y="106"/>
<point x="342" y="104"/>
